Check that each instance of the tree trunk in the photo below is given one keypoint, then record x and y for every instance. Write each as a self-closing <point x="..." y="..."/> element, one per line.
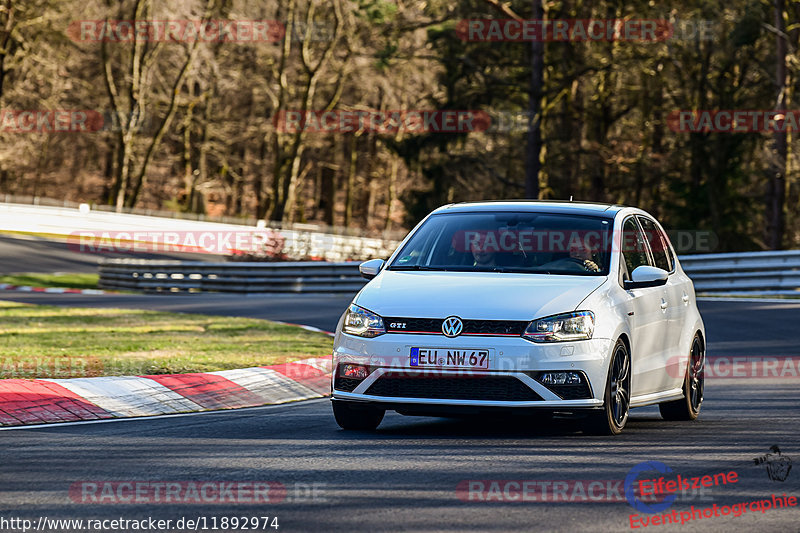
<point x="369" y="203"/>
<point x="351" y="182"/>
<point x="188" y="170"/>
<point x="141" y="176"/>
<point x="776" y="194"/>
<point x="327" y="199"/>
<point x="6" y="45"/>
<point x="533" y="149"/>
<point x="262" y="196"/>
<point x="387" y="223"/>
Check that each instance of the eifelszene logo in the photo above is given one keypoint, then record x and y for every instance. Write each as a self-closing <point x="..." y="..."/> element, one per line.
<point x="630" y="487"/>
<point x="778" y="465"/>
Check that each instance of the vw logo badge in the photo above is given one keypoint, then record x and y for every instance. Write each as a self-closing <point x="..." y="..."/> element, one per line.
<point x="452" y="326"/>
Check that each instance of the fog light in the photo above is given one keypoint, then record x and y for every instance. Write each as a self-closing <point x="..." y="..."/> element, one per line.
<point x="353" y="371"/>
<point x="560" y="378"/>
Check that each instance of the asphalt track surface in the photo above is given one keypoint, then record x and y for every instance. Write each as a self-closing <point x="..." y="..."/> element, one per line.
<point x="734" y="328"/>
<point x="405" y="476"/>
<point x="31" y="254"/>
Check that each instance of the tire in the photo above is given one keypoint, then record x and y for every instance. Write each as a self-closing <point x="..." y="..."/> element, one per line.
<point x="356" y="418"/>
<point x="688" y="407"/>
<point x="617" y="398"/>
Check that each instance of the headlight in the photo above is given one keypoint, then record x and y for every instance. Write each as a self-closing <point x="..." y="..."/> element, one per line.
<point x="358" y="321"/>
<point x="575" y="326"/>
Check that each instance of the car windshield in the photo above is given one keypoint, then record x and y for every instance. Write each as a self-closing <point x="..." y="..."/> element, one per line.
<point x="525" y="242"/>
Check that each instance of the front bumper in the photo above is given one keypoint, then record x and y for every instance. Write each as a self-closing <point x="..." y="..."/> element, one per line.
<point x="508" y="382"/>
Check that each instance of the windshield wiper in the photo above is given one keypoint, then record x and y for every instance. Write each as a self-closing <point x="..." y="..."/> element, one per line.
<point x="503" y="270"/>
<point x="411" y="267"/>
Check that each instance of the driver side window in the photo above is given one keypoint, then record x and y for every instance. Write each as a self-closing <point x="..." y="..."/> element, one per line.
<point x="634" y="250"/>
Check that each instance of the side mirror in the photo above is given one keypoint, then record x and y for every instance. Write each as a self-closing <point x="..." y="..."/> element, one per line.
<point x="369" y="269"/>
<point x="646" y="276"/>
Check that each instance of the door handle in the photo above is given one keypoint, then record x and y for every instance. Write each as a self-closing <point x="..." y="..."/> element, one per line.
<point x="685" y="298"/>
<point x="664" y="304"/>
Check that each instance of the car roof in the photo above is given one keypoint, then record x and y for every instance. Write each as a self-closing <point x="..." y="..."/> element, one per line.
<point x="537" y="206"/>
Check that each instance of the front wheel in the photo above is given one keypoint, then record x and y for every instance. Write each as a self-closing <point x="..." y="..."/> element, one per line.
<point x="616" y="404"/>
<point x="688" y="407"/>
<point x="356" y="417"/>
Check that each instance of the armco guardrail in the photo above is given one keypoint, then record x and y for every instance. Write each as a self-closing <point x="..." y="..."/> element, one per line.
<point x="751" y="272"/>
<point x="754" y="273"/>
<point x="197" y="276"/>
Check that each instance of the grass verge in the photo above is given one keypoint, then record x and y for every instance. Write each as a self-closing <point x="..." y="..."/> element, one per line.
<point x="38" y="341"/>
<point x="68" y="281"/>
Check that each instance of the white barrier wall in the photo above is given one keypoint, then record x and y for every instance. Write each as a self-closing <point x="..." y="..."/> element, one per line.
<point x="128" y="228"/>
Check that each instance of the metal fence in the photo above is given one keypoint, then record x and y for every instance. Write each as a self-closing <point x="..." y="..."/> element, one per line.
<point x="751" y="272"/>
<point x="746" y="273"/>
<point x="197" y="276"/>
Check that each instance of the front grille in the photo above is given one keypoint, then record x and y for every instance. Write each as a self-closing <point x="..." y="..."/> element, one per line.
<point x="490" y="388"/>
<point x="471" y="327"/>
<point x="413" y="325"/>
<point x="346" y="384"/>
<point x="494" y="327"/>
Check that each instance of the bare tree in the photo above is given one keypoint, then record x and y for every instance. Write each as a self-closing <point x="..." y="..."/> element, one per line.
<point x="533" y="146"/>
<point x="776" y="188"/>
<point x="288" y="148"/>
<point x="132" y="109"/>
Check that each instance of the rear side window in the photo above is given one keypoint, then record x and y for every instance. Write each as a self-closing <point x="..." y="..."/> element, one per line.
<point x="634" y="250"/>
<point x="658" y="244"/>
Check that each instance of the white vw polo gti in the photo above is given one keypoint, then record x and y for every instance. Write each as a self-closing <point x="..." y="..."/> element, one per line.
<point x="527" y="306"/>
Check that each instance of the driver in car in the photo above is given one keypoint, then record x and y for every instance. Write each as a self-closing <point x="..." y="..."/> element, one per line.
<point x="483" y="256"/>
<point x="579" y="251"/>
<point x="579" y="255"/>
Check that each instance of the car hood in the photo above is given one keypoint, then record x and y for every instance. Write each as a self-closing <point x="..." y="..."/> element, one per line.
<point x="474" y="295"/>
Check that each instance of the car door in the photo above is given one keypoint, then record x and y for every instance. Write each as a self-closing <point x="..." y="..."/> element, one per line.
<point x="677" y="298"/>
<point x="646" y="312"/>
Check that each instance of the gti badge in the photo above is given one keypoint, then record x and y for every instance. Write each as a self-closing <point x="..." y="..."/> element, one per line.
<point x="778" y="465"/>
<point x="452" y="326"/>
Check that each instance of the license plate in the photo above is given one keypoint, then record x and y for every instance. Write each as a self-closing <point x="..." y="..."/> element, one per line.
<point x="448" y="358"/>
